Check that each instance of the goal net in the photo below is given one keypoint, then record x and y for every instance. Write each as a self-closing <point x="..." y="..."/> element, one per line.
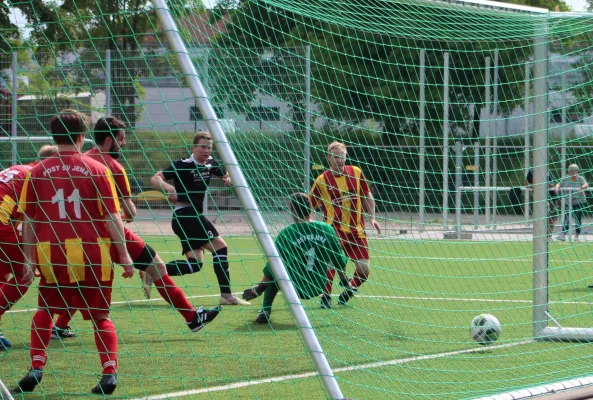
<point x="446" y="108"/>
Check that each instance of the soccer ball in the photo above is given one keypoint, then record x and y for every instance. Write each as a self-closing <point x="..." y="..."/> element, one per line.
<point x="485" y="329"/>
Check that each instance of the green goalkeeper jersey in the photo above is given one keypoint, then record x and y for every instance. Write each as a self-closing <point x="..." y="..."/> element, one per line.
<point x="308" y="249"/>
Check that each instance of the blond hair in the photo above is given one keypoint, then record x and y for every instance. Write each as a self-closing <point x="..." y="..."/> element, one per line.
<point x="201" y="135"/>
<point x="573" y="167"/>
<point x="336" y="145"/>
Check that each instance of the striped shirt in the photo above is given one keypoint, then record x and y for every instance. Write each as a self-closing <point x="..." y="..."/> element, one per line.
<point x="341" y="198"/>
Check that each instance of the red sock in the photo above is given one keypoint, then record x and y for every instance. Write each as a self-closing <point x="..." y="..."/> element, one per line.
<point x="40" y="337"/>
<point x="330" y="281"/>
<point x="63" y="320"/>
<point x="175" y="296"/>
<point x="11" y="292"/>
<point x="357" y="280"/>
<point x="106" y="341"/>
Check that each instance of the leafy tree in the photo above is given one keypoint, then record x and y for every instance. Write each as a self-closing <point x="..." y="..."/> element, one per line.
<point x="88" y="28"/>
<point x="361" y="72"/>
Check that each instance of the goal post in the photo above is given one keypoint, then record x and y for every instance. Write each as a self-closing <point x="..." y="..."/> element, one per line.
<point x="248" y="202"/>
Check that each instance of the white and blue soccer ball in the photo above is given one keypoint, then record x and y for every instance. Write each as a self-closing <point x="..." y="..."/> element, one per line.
<point x="485" y="329"/>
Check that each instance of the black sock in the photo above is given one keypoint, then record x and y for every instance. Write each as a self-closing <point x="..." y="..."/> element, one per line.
<point x="221" y="269"/>
<point x="183" y="267"/>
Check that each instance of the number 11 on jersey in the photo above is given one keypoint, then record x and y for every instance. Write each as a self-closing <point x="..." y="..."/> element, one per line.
<point x="74" y="198"/>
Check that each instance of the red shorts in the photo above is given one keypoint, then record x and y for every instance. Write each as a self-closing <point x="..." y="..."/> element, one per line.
<point x="356" y="248"/>
<point x="134" y="244"/>
<point x="66" y="299"/>
<point x="11" y="257"/>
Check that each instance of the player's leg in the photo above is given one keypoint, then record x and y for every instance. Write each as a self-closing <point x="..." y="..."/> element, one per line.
<point x="218" y="247"/>
<point x="61" y="329"/>
<point x="183" y="224"/>
<point x="106" y="342"/>
<point x="11" y="291"/>
<point x="50" y="300"/>
<point x="578" y="219"/>
<point x="150" y="262"/>
<point x="358" y="251"/>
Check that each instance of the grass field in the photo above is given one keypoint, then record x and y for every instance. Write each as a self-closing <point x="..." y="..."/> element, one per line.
<point x="405" y="336"/>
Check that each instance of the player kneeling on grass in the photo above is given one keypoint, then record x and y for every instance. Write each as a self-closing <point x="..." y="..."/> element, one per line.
<point x="307" y="249"/>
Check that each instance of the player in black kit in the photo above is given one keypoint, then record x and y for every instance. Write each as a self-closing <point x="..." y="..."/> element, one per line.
<point x="191" y="177"/>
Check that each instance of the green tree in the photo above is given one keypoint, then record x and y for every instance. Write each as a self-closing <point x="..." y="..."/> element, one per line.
<point x="88" y="28"/>
<point x="362" y="71"/>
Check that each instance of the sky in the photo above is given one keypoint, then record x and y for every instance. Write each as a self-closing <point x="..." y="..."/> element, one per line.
<point x="577" y="5"/>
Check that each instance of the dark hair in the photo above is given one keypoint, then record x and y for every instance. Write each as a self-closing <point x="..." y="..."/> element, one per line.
<point x="201" y="135"/>
<point x="67" y="126"/>
<point x="107" y="127"/>
<point x="300" y="205"/>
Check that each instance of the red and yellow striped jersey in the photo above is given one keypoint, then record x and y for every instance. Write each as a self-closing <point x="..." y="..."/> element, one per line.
<point x="120" y="177"/>
<point x="11" y="185"/>
<point x="67" y="198"/>
<point x="341" y="198"/>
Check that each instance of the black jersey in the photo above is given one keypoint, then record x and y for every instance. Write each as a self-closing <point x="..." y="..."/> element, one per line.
<point x="191" y="179"/>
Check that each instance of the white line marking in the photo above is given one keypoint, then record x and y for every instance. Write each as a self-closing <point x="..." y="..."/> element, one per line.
<point x="381" y="364"/>
<point x="361" y="296"/>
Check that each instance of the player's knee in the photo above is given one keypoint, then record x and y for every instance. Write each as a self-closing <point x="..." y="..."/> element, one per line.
<point x="363" y="268"/>
<point x="196" y="265"/>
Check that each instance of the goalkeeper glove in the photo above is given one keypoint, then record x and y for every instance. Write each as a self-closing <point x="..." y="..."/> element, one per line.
<point x="250" y="294"/>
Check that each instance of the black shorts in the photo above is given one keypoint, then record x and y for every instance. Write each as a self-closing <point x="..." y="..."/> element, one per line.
<point x="145" y="258"/>
<point x="193" y="229"/>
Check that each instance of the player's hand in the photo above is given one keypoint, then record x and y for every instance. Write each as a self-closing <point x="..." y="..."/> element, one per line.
<point x="127" y="264"/>
<point x="250" y="294"/>
<point x="172" y="196"/>
<point x="228" y="182"/>
<point x="28" y="272"/>
<point x="375" y="225"/>
<point x="127" y="218"/>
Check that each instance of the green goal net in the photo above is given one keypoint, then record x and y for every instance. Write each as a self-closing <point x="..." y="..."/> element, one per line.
<point x="446" y="107"/>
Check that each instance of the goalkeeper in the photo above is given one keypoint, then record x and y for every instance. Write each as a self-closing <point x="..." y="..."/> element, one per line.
<point x="308" y="249"/>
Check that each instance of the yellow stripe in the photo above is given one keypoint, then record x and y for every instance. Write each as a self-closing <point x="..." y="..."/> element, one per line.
<point x="23" y="197"/>
<point x="128" y="187"/>
<point x="330" y="212"/>
<point x="346" y="204"/>
<point x="106" y="263"/>
<point x="44" y="261"/>
<point x="76" y="263"/>
<point x="6" y="208"/>
<point x="358" y="175"/>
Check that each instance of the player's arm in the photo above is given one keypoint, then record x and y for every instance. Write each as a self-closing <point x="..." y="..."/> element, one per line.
<point x="129" y="209"/>
<point x="115" y="226"/>
<point x="107" y="192"/>
<point x="27" y="207"/>
<point x="585" y="185"/>
<point x="221" y="171"/>
<point x="125" y="192"/>
<point x="368" y="202"/>
<point x="28" y="245"/>
<point x="267" y="279"/>
<point x="315" y="194"/>
<point x="159" y="182"/>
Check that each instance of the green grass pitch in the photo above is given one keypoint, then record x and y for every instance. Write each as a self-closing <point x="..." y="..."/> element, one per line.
<point x="405" y="336"/>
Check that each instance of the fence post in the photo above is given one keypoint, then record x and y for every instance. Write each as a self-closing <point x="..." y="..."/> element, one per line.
<point x="15" y="87"/>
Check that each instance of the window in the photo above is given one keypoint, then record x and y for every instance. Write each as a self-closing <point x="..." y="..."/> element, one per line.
<point x="196" y="115"/>
<point x="264" y="114"/>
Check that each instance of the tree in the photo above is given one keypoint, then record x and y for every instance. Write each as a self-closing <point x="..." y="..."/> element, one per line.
<point x="362" y="72"/>
<point x="89" y="27"/>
